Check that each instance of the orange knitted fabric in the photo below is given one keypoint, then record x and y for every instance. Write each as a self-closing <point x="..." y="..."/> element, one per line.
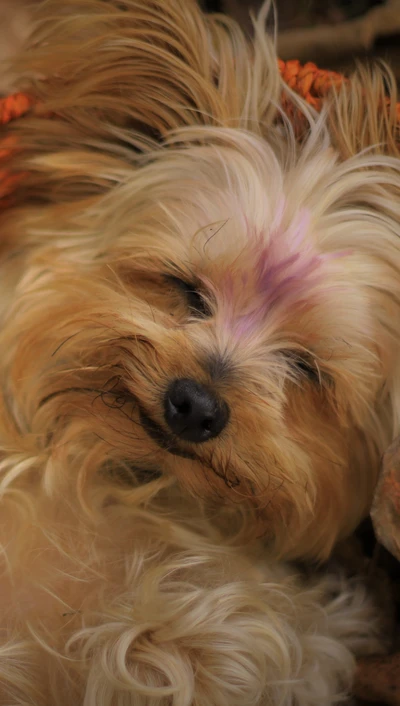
<point x="11" y="108"/>
<point x="14" y="106"/>
<point x="310" y="82"/>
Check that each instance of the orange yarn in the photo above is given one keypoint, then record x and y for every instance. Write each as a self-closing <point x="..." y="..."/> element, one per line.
<point x="11" y="108"/>
<point x="310" y="82"/>
<point x="14" y="106"/>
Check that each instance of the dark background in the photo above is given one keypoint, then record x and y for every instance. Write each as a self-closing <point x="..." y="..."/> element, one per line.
<point x="359" y="18"/>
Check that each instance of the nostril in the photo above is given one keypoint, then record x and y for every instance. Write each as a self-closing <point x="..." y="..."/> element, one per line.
<point x="193" y="411"/>
<point x="184" y="407"/>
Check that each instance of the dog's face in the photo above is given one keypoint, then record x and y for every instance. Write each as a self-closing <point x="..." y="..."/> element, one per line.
<point x="229" y="329"/>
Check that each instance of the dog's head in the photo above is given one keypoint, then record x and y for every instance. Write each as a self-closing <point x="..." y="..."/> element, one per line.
<point x="225" y="314"/>
<point x="230" y="327"/>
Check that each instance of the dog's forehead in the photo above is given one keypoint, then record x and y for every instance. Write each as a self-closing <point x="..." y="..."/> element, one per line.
<point x="237" y="251"/>
<point x="278" y="269"/>
<point x="238" y="228"/>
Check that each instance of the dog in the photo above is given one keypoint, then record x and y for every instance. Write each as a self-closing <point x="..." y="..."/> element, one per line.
<point x="199" y="370"/>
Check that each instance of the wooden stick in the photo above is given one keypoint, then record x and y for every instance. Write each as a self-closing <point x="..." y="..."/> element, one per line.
<point x="353" y="36"/>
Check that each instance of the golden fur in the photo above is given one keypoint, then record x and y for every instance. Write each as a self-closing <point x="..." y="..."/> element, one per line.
<point x="167" y="158"/>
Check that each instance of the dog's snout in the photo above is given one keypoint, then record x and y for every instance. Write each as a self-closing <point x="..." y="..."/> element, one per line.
<point x="193" y="412"/>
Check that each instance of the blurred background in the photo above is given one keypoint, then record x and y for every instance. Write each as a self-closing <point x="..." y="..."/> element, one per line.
<point x="332" y="33"/>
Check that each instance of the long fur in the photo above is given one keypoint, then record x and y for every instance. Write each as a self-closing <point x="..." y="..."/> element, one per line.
<point x="162" y="154"/>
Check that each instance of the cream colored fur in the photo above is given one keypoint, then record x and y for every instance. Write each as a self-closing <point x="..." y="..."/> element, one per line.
<point x="138" y="568"/>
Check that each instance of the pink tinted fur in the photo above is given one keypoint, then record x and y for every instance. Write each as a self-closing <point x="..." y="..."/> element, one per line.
<point x="284" y="273"/>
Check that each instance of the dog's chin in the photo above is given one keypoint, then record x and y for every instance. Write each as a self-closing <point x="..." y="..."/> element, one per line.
<point x="165" y="441"/>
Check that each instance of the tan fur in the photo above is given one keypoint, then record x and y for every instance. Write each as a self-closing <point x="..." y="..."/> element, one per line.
<point x="167" y="155"/>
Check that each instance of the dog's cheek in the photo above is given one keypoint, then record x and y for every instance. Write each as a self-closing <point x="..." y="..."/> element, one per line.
<point x="330" y="493"/>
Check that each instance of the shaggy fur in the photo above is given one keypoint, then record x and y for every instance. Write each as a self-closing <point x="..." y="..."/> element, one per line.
<point x="171" y="226"/>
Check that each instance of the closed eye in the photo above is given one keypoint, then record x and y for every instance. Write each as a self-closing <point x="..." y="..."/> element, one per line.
<point x="194" y="298"/>
<point x="305" y="365"/>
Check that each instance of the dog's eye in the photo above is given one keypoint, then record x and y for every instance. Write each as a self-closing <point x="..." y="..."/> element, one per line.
<point x="308" y="368"/>
<point x="194" y="298"/>
<point x="304" y="364"/>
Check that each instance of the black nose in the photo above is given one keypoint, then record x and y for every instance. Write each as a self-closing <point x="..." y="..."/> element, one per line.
<point x="193" y="412"/>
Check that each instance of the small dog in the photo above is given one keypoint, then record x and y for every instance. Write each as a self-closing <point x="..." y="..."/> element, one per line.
<point x="199" y="370"/>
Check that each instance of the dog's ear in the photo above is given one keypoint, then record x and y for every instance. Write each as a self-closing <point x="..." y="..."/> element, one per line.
<point x="148" y="67"/>
<point x="364" y="113"/>
<point x="142" y="66"/>
<point x="117" y="76"/>
<point x="111" y="78"/>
